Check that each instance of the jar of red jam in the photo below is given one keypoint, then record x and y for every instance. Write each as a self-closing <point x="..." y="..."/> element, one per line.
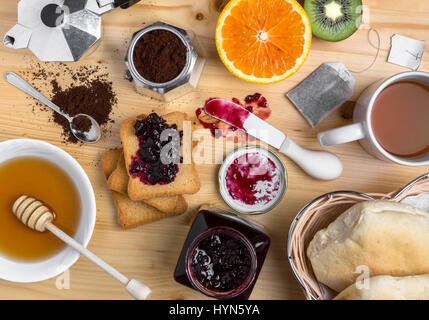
<point x="222" y="255"/>
<point x="252" y="180"/>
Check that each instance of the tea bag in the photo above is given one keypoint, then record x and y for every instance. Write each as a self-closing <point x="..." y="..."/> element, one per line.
<point x="406" y="52"/>
<point x="324" y="90"/>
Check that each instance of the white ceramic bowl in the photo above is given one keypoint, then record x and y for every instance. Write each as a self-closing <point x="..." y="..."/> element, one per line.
<point x="18" y="271"/>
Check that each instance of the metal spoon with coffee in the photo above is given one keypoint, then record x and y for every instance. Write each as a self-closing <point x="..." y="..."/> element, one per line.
<point x="89" y="131"/>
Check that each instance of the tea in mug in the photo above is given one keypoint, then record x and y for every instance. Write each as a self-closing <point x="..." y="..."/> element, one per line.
<point x="400" y="119"/>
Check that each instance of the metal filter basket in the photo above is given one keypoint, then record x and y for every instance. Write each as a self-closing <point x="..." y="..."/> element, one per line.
<point x="318" y="214"/>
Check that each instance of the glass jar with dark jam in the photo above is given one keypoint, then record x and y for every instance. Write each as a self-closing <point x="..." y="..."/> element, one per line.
<point x="222" y="255"/>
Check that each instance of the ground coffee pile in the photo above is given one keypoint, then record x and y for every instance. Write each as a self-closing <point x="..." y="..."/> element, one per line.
<point x="82" y="124"/>
<point x="159" y="56"/>
<point x="82" y="89"/>
<point x="95" y="99"/>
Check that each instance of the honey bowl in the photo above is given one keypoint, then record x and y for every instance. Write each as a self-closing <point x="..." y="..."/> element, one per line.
<point x="40" y="169"/>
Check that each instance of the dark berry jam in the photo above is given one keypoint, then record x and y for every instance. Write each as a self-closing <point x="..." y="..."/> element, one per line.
<point x="256" y="104"/>
<point x="258" y="99"/>
<point x="221" y="261"/>
<point x="229" y="112"/>
<point x="157" y="159"/>
<point x="222" y="255"/>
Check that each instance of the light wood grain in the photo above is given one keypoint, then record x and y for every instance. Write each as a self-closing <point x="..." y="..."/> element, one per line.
<point x="149" y="253"/>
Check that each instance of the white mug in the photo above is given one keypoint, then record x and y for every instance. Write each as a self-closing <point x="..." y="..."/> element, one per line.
<point x="362" y="129"/>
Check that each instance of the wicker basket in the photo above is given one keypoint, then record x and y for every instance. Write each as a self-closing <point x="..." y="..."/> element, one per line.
<point x="318" y="214"/>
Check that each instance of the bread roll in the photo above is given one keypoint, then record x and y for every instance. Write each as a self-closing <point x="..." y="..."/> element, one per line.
<point x="389" y="238"/>
<point x="390" y="288"/>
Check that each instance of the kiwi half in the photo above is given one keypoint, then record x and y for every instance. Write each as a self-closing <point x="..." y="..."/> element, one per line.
<point x="334" y="20"/>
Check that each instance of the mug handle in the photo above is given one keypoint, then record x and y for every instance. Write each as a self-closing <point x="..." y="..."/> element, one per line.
<point x="342" y="135"/>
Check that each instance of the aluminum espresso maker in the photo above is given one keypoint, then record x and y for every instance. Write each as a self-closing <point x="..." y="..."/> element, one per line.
<point x="60" y="30"/>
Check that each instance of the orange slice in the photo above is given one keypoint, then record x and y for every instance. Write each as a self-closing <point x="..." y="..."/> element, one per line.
<point x="263" y="41"/>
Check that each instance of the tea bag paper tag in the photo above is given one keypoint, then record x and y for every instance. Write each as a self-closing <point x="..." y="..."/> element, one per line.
<point x="421" y="201"/>
<point x="324" y="90"/>
<point x="406" y="52"/>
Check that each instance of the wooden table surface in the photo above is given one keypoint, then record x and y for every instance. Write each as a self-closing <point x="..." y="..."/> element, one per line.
<point x="149" y="253"/>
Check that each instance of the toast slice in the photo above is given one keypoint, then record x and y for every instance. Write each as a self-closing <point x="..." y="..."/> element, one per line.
<point x="181" y="206"/>
<point x="109" y="159"/>
<point x="134" y="213"/>
<point x="118" y="181"/>
<point x="186" y="180"/>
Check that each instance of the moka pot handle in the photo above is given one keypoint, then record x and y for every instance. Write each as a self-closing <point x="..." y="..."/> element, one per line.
<point x="124" y="4"/>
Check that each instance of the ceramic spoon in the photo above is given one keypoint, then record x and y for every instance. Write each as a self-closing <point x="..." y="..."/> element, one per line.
<point x="318" y="164"/>
<point x="91" y="136"/>
<point x="38" y="217"/>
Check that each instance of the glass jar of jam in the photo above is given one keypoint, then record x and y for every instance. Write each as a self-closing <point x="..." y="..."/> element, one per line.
<point x="222" y="255"/>
<point x="252" y="180"/>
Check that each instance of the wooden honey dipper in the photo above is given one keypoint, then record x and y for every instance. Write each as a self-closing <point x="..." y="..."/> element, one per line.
<point x="35" y="215"/>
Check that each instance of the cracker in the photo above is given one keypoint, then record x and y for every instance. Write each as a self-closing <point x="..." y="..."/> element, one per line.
<point x="118" y="181"/>
<point x="181" y="206"/>
<point x="133" y="213"/>
<point x="186" y="180"/>
<point x="164" y="204"/>
<point x="109" y="159"/>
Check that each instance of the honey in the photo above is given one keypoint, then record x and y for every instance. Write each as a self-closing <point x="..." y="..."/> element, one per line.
<point x="48" y="183"/>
